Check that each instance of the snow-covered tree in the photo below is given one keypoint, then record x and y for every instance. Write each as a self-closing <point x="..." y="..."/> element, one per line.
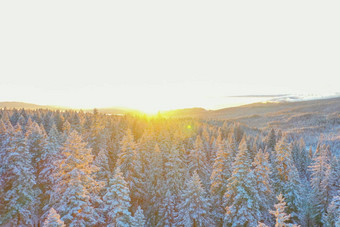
<point x="75" y="190"/>
<point x="167" y="211"/>
<point x="241" y="198"/>
<point x="17" y="180"/>
<point x="332" y="216"/>
<point x="321" y="180"/>
<point x="103" y="172"/>
<point x="48" y="158"/>
<point x="138" y="219"/>
<point x="261" y="172"/>
<point x="127" y="155"/>
<point x="221" y="173"/>
<point x="286" y="178"/>
<point x="198" y="161"/>
<point x="117" y="201"/>
<point x="194" y="209"/>
<point x="281" y="217"/>
<point x="53" y="219"/>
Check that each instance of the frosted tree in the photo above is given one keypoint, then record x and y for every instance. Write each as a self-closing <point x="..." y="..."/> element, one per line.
<point x="154" y="183"/>
<point x="17" y="180"/>
<point x="198" y="161"/>
<point x="194" y="209"/>
<point x="138" y="219"/>
<point x="232" y="143"/>
<point x="103" y="172"/>
<point x="48" y="158"/>
<point x="221" y="173"/>
<point x="174" y="171"/>
<point x="37" y="144"/>
<point x="74" y="192"/>
<point x="271" y="140"/>
<point x="127" y="154"/>
<point x="53" y="219"/>
<point x="241" y="198"/>
<point x="261" y="172"/>
<point x="281" y="217"/>
<point x="321" y="180"/>
<point x="332" y="216"/>
<point x="286" y="178"/>
<point x="117" y="201"/>
<point x="167" y="211"/>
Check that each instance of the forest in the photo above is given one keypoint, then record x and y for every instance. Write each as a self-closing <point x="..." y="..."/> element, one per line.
<point x="75" y="168"/>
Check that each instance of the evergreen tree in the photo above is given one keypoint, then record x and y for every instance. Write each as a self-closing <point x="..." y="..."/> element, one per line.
<point x="167" y="211"/>
<point x="48" y="168"/>
<point x="17" y="180"/>
<point x="127" y="156"/>
<point x="241" y="198"/>
<point x="103" y="172"/>
<point x="262" y="173"/>
<point x="138" y="219"/>
<point x="53" y="219"/>
<point x="271" y="140"/>
<point x="198" y="161"/>
<point x="332" y="216"/>
<point x="74" y="192"/>
<point x="286" y="179"/>
<point x="321" y="182"/>
<point x="195" y="205"/>
<point x="221" y="173"/>
<point x="281" y="218"/>
<point x="117" y="201"/>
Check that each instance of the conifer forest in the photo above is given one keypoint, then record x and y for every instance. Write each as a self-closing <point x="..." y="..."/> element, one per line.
<point x="75" y="168"/>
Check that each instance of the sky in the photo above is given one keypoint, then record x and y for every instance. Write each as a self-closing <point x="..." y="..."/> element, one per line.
<point x="159" y="55"/>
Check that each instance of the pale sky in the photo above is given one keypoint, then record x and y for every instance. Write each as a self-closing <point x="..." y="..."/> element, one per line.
<point x="157" y="55"/>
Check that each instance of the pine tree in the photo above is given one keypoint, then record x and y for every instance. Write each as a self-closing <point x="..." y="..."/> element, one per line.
<point x="48" y="169"/>
<point x="103" y="172"/>
<point x="261" y="172"/>
<point x="282" y="219"/>
<point x="286" y="179"/>
<point x="126" y="158"/>
<point x="53" y="219"/>
<point x="241" y="198"/>
<point x="18" y="180"/>
<point x="74" y="192"/>
<point x="332" y="216"/>
<point x="198" y="161"/>
<point x="271" y="140"/>
<point x="195" y="205"/>
<point x="321" y="182"/>
<point x="38" y="144"/>
<point x="167" y="211"/>
<point x="138" y="219"/>
<point x="117" y="201"/>
<point x="221" y="173"/>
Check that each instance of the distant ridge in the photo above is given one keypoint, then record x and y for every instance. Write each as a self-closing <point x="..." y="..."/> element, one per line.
<point x="21" y="105"/>
<point x="31" y="106"/>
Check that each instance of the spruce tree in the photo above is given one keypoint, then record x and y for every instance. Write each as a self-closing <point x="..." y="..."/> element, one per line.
<point x="286" y="179"/>
<point x="75" y="190"/>
<point x="332" y="216"/>
<point x="241" y="198"/>
<point x="221" y="173"/>
<point x="18" y="180"/>
<point x="198" y="161"/>
<point x="281" y="217"/>
<point x="194" y="209"/>
<point x="53" y="219"/>
<point x="167" y="211"/>
<point x="138" y="219"/>
<point x="261" y="172"/>
<point x="321" y="182"/>
<point x="117" y="201"/>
